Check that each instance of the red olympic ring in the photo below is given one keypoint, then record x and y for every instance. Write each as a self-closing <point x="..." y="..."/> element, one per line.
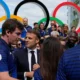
<point x="71" y="4"/>
<point x="63" y="4"/>
<point x="56" y="9"/>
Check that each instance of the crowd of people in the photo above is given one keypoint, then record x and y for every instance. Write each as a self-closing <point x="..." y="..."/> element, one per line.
<point x="68" y="38"/>
<point x="32" y="53"/>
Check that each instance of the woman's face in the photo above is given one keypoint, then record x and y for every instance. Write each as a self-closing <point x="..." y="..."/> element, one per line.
<point x="42" y="26"/>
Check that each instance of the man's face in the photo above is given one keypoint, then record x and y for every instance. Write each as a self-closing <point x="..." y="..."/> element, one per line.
<point x="36" y="26"/>
<point x="31" y="40"/>
<point x="25" y="22"/>
<point x="52" y="23"/>
<point x="14" y="36"/>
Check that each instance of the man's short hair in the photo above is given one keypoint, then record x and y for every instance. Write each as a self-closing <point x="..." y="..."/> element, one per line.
<point x="35" y="23"/>
<point x="35" y="32"/>
<point x="11" y="25"/>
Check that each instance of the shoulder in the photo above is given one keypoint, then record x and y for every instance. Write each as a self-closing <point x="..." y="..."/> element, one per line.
<point x="20" y="51"/>
<point x="73" y="50"/>
<point x="3" y="47"/>
<point x="1" y="44"/>
<point x="49" y="28"/>
<point x="71" y="54"/>
<point x="29" y="26"/>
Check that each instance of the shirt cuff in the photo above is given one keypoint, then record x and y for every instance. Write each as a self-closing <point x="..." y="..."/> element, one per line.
<point x="24" y="74"/>
<point x="25" y="78"/>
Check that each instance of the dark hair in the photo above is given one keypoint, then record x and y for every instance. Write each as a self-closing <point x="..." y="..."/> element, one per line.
<point x="35" y="23"/>
<point x="35" y="32"/>
<point x="11" y="25"/>
<point x="40" y="25"/>
<point x="73" y="27"/>
<point x="49" y="57"/>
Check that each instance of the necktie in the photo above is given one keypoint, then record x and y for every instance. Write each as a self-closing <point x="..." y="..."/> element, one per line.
<point x="33" y="61"/>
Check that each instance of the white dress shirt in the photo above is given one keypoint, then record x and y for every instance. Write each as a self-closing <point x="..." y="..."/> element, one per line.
<point x="29" y="59"/>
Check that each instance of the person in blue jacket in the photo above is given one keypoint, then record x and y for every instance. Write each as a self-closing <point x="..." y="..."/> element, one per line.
<point x="11" y="30"/>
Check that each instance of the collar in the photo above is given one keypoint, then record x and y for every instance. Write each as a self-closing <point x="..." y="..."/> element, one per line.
<point x="35" y="50"/>
<point x="5" y="44"/>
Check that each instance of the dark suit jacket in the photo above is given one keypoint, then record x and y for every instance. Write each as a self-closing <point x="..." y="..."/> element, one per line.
<point x="21" y="58"/>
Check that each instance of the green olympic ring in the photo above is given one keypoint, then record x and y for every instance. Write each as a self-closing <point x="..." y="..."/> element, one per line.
<point x="51" y="18"/>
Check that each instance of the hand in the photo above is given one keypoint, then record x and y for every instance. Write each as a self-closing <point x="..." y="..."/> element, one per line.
<point x="36" y="66"/>
<point x="29" y="74"/>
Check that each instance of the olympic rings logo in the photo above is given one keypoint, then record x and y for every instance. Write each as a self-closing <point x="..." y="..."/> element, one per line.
<point x="44" y="8"/>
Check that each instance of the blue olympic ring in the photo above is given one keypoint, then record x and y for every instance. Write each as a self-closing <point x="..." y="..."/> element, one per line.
<point x="4" y="5"/>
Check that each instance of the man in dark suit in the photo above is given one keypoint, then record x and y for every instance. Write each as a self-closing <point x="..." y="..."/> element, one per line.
<point x="25" y="60"/>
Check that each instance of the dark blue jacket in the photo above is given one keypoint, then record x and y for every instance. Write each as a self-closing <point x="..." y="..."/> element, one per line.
<point x="69" y="65"/>
<point x="7" y="60"/>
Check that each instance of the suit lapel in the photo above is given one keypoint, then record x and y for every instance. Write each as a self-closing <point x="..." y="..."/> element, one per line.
<point x="26" y="58"/>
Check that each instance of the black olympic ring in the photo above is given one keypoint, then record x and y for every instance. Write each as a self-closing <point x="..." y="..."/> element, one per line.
<point x="38" y="2"/>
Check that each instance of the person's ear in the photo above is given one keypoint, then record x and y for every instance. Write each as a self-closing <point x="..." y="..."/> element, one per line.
<point x="37" y="41"/>
<point x="7" y="32"/>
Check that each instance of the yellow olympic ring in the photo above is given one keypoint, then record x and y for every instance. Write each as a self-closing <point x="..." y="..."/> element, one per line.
<point x="11" y="16"/>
